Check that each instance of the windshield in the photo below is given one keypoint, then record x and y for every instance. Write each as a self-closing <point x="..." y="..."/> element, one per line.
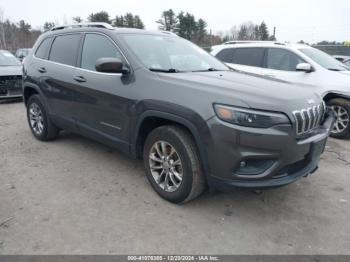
<point x="324" y="59"/>
<point x="171" y="54"/>
<point x="8" y="59"/>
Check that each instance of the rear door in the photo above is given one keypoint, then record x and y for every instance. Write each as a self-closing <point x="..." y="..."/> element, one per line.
<point x="57" y="76"/>
<point x="100" y="106"/>
<point x="248" y="59"/>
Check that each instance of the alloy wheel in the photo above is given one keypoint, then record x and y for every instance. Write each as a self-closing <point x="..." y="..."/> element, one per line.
<point x="342" y="120"/>
<point x="36" y="118"/>
<point x="166" y="166"/>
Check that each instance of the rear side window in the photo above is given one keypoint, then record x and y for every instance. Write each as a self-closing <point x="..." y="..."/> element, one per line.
<point x="44" y="49"/>
<point x="64" y="49"/>
<point x="249" y="56"/>
<point x="225" y="55"/>
<point x="95" y="47"/>
<point x="281" y="59"/>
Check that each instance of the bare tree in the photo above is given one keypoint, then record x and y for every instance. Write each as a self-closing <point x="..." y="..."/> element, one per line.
<point x="2" y="31"/>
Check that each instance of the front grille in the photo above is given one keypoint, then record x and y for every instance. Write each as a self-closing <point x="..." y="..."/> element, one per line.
<point x="9" y="82"/>
<point x="309" y="118"/>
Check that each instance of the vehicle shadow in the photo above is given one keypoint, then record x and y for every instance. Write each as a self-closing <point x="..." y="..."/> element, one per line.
<point x="288" y="199"/>
<point x="10" y="101"/>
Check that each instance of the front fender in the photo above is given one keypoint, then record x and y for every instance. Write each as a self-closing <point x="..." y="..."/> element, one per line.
<point x="177" y="114"/>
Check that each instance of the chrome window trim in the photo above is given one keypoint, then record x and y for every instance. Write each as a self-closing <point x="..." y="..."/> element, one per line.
<point x="75" y="67"/>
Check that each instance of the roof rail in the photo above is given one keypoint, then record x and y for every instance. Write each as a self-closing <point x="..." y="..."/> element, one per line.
<point x="246" y="42"/>
<point x="253" y="42"/>
<point x="91" y="24"/>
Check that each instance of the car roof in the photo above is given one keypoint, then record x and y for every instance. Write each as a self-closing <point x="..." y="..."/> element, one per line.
<point x="103" y="27"/>
<point x="263" y="44"/>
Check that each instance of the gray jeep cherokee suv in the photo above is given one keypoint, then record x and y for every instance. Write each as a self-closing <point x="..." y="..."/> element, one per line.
<point x="157" y="97"/>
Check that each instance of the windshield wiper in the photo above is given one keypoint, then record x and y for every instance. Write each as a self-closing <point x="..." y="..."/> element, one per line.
<point x="334" y="69"/>
<point x="171" y="70"/>
<point x="211" y="69"/>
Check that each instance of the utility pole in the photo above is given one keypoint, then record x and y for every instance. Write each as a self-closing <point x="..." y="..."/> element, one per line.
<point x="274" y="32"/>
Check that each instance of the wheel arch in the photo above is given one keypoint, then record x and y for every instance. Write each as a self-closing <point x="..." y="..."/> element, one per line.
<point x="152" y="119"/>
<point x="31" y="89"/>
<point x="331" y="95"/>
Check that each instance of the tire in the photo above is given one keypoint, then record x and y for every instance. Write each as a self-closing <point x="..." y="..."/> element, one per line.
<point x="341" y="107"/>
<point x="47" y="130"/>
<point x="190" y="169"/>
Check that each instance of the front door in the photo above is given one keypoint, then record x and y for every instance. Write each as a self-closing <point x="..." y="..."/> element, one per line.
<point x="100" y="106"/>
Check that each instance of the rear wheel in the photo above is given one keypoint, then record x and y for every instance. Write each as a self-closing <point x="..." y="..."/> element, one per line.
<point x="341" y="108"/>
<point x="39" y="120"/>
<point x="172" y="164"/>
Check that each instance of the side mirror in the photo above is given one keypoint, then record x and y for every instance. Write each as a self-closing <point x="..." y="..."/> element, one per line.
<point x="304" y="67"/>
<point x="110" y="65"/>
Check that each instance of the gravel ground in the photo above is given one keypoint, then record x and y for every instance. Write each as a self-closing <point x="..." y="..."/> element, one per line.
<point x="75" y="196"/>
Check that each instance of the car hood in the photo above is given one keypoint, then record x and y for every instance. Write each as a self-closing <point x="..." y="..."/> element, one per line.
<point x="252" y="90"/>
<point x="338" y="82"/>
<point x="10" y="70"/>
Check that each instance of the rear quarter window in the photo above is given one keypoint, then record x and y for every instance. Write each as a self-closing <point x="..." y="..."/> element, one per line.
<point x="44" y="48"/>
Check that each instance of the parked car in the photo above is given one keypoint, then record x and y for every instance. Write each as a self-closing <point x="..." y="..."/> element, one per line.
<point x="22" y="53"/>
<point x="160" y="98"/>
<point x="10" y="76"/>
<point x="344" y="59"/>
<point x="300" y="64"/>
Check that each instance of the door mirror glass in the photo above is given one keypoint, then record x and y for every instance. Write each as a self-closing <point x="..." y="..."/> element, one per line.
<point x="304" y="67"/>
<point x="110" y="65"/>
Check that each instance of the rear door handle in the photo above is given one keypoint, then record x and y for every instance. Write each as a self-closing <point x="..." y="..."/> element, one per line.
<point x="80" y="79"/>
<point x="42" y="69"/>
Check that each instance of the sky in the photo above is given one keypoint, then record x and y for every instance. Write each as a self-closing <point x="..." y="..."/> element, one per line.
<point x="308" y="20"/>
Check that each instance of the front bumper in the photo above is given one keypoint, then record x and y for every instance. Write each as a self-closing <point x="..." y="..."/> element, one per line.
<point x="10" y="87"/>
<point x="277" y="156"/>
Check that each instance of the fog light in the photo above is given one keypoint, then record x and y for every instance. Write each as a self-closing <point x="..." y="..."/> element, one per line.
<point x="253" y="167"/>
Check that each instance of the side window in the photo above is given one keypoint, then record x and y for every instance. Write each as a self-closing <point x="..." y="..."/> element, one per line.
<point x="281" y="59"/>
<point x="44" y="49"/>
<point x="95" y="47"/>
<point x="225" y="55"/>
<point x="249" y="56"/>
<point x="64" y="49"/>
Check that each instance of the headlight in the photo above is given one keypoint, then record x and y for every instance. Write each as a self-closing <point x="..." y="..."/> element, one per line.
<point x="248" y="117"/>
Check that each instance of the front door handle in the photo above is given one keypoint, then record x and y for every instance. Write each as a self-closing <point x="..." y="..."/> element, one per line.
<point x="80" y="79"/>
<point x="42" y="69"/>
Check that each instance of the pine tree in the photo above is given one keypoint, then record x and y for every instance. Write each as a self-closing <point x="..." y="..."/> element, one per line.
<point x="187" y="26"/>
<point x="77" y="19"/>
<point x="201" y="29"/>
<point x="168" y="21"/>
<point x="48" y="26"/>
<point x="243" y="33"/>
<point x="101" y="16"/>
<point x="129" y="20"/>
<point x="138" y="22"/>
<point x="264" y="32"/>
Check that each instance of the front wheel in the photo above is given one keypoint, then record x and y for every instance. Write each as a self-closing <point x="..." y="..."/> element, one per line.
<point x="172" y="164"/>
<point x="341" y="108"/>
